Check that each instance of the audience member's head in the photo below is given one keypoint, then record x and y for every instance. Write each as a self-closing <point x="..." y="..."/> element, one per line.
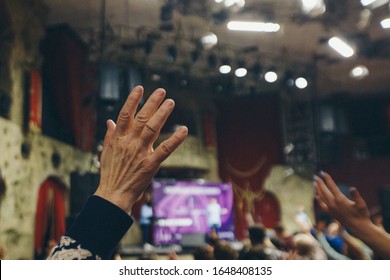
<point x="305" y="247"/>
<point x="224" y="251"/>
<point x="205" y="252"/>
<point x="256" y="234"/>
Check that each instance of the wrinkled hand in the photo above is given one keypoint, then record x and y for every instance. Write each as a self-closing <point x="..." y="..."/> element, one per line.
<point x="129" y="162"/>
<point x="353" y="214"/>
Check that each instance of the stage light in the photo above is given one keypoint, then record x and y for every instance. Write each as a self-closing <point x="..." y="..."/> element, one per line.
<point x="225" y="69"/>
<point x="209" y="40"/>
<point x="367" y="2"/>
<point x="253" y="26"/>
<point x="271" y="76"/>
<point x="301" y="83"/>
<point x="240" y="72"/>
<point x="313" y="8"/>
<point x="230" y="3"/>
<point x="359" y="72"/>
<point x="373" y="3"/>
<point x="385" y="23"/>
<point x="341" y="47"/>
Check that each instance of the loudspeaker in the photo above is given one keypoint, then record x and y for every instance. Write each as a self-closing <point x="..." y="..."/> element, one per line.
<point x="82" y="185"/>
<point x="384" y="195"/>
<point x="192" y="240"/>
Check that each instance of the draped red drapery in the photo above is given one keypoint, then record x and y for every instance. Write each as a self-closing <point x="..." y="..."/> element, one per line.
<point x="50" y="215"/>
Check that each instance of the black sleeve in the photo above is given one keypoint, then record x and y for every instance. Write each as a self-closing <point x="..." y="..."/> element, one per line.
<point x="100" y="226"/>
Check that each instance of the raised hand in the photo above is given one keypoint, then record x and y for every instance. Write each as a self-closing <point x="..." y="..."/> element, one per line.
<point x="128" y="161"/>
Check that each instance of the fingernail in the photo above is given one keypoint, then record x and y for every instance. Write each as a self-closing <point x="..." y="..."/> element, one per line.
<point x="170" y="103"/>
<point x="138" y="90"/>
<point x="160" y="92"/>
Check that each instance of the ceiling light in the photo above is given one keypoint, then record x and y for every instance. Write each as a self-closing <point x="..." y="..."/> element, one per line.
<point x="359" y="72"/>
<point x="253" y="26"/>
<point x="301" y="83"/>
<point x="241" y="72"/>
<point x="218" y="1"/>
<point x="225" y="69"/>
<point x="385" y="23"/>
<point x="230" y="3"/>
<point x="373" y="3"/>
<point x="313" y="7"/>
<point x="341" y="47"/>
<point x="271" y="76"/>
<point x="209" y="40"/>
<point x="367" y="2"/>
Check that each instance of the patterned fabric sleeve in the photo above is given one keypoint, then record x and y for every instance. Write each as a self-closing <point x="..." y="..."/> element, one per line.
<point x="95" y="233"/>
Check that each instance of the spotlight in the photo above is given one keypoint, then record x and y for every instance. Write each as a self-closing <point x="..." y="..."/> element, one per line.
<point x="385" y="23"/>
<point x="359" y="72"/>
<point x="271" y="76"/>
<point x="240" y="72"/>
<point x="301" y="83"/>
<point x="225" y="69"/>
<point x="209" y="40"/>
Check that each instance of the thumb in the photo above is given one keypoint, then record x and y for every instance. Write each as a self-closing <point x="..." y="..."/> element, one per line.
<point x="111" y="126"/>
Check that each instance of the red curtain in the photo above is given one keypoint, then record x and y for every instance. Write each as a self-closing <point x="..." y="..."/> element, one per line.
<point x="50" y="214"/>
<point x="72" y="83"/>
<point x="249" y="143"/>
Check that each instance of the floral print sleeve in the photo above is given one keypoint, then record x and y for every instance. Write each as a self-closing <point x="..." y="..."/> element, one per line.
<point x="95" y="233"/>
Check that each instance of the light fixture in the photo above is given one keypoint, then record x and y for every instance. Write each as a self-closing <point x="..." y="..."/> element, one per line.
<point x="373" y="3"/>
<point x="313" y="8"/>
<point x="271" y="76"/>
<point x="209" y="40"/>
<point x="253" y="26"/>
<point x="359" y="72"/>
<point x="230" y="3"/>
<point x="301" y="83"/>
<point x="385" y="23"/>
<point x="240" y="72"/>
<point x="341" y="47"/>
<point x="225" y="69"/>
<point x="367" y="2"/>
<point x="218" y="1"/>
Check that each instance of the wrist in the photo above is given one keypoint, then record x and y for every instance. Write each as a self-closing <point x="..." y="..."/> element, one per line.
<point x="121" y="201"/>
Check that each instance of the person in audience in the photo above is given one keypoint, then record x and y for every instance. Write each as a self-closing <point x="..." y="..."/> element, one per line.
<point x="353" y="214"/>
<point x="204" y="252"/>
<point x="306" y="247"/>
<point x="259" y="249"/>
<point x="224" y="251"/>
<point x="128" y="164"/>
<point x="146" y="220"/>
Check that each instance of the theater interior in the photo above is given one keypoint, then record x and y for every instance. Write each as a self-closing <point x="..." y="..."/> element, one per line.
<point x="304" y="89"/>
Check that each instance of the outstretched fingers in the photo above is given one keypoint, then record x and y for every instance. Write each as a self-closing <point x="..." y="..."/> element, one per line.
<point x="170" y="145"/>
